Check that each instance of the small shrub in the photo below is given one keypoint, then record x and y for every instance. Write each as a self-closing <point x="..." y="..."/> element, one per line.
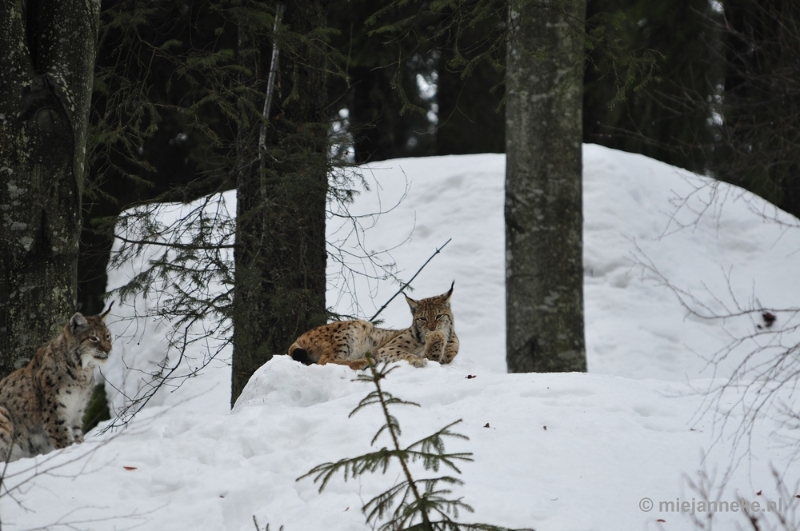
<point x="412" y="504"/>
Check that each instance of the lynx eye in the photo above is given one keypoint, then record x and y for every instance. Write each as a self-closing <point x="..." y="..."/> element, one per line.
<point x="93" y="339"/>
<point x="439" y="316"/>
<point x="422" y="319"/>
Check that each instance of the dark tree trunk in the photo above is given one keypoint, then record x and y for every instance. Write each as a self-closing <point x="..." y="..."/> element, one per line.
<point x="543" y="209"/>
<point x="45" y="92"/>
<point x="280" y="220"/>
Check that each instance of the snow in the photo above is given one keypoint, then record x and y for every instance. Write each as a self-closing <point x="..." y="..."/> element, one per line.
<point x="552" y="451"/>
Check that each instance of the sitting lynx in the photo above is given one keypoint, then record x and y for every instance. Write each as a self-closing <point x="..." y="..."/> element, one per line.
<point x="431" y="336"/>
<point x="41" y="404"/>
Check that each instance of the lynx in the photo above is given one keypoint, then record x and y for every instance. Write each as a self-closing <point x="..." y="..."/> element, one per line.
<point x="431" y="336"/>
<point x="41" y="404"/>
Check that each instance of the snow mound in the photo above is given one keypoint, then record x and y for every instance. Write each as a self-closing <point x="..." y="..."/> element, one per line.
<point x="285" y="382"/>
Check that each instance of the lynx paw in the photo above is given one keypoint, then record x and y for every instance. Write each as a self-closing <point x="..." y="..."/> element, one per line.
<point x="435" y="345"/>
<point x="417" y="362"/>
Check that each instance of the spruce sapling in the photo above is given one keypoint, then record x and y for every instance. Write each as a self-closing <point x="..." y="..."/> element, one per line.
<point x="411" y="504"/>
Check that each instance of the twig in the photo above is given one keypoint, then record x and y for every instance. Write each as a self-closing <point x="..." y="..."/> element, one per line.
<point x="175" y="245"/>
<point x="406" y="284"/>
<point x="273" y="68"/>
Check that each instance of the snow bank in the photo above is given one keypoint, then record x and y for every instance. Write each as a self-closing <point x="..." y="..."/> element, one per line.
<point x="552" y="451"/>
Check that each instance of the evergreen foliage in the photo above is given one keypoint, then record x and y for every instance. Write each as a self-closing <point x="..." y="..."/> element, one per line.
<point x="420" y="504"/>
<point x="756" y="120"/>
<point x="162" y="121"/>
<point x="724" y="101"/>
<point x="669" y="46"/>
<point x="178" y="112"/>
<point x="458" y="47"/>
<point x="387" y="116"/>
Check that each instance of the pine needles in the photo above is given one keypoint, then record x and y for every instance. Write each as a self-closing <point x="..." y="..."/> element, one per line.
<point x="412" y="504"/>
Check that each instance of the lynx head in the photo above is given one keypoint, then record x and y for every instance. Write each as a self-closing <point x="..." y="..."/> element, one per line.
<point x="89" y="338"/>
<point x="431" y="314"/>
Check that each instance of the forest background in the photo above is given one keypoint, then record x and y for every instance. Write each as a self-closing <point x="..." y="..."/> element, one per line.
<point x="133" y="103"/>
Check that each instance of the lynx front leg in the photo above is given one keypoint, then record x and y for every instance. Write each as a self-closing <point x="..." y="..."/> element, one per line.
<point x="435" y="345"/>
<point x="58" y="427"/>
<point x="356" y="365"/>
<point x="391" y="354"/>
<point x="6" y="434"/>
<point x="77" y="432"/>
<point x="450" y="350"/>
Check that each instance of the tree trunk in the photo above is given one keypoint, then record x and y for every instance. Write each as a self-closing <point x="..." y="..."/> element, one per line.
<point x="280" y="220"/>
<point x="543" y="205"/>
<point x="45" y="91"/>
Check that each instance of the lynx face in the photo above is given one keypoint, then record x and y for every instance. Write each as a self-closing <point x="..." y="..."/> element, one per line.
<point x="431" y="314"/>
<point x="91" y="338"/>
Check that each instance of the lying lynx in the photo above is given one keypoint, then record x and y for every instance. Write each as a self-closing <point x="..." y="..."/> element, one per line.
<point x="41" y="404"/>
<point x="431" y="336"/>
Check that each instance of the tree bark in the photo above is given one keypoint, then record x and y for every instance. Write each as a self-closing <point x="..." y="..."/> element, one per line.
<point x="280" y="251"/>
<point x="45" y="91"/>
<point x="543" y="203"/>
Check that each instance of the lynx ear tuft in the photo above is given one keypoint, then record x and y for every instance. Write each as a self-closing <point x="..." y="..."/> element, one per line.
<point x="103" y="315"/>
<point x="77" y="322"/>
<point x="449" y="294"/>
<point x="411" y="302"/>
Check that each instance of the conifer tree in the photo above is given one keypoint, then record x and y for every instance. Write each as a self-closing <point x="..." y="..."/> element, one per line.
<point x="646" y="118"/>
<point x="756" y="116"/>
<point x="282" y="188"/>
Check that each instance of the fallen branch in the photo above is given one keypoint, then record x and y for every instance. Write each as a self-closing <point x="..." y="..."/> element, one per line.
<point x="406" y="284"/>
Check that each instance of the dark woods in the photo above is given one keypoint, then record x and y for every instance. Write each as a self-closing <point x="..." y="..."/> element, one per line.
<point x="178" y="98"/>
<point x="724" y="97"/>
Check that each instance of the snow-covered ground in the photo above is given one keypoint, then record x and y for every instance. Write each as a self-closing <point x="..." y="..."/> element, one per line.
<point x="552" y="451"/>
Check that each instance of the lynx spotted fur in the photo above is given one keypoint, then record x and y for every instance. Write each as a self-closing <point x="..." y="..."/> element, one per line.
<point x="431" y="336"/>
<point x="41" y="404"/>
